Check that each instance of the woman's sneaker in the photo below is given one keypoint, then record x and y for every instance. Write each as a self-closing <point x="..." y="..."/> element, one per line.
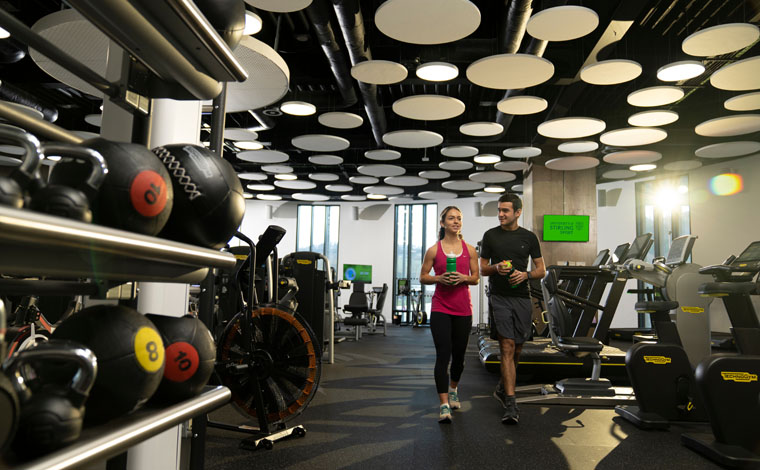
<point x="444" y="415"/>
<point x="454" y="400"/>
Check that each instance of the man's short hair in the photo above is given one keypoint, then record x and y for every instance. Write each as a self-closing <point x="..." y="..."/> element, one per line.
<point x="514" y="199"/>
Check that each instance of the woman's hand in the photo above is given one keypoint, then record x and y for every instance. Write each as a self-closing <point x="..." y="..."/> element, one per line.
<point x="455" y="278"/>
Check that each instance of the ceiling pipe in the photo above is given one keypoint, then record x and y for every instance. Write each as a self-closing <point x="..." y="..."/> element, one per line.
<point x="16" y="95"/>
<point x="319" y="16"/>
<point x="515" y="24"/>
<point x="352" y="26"/>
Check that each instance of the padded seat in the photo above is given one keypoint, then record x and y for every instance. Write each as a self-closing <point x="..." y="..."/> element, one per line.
<point x="656" y="306"/>
<point x="719" y="289"/>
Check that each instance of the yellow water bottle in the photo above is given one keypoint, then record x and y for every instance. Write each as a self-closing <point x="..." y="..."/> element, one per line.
<point x="511" y="268"/>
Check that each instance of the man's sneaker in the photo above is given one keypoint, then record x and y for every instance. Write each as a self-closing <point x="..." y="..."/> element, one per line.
<point x="444" y="415"/>
<point x="510" y="413"/>
<point x="454" y="400"/>
<point x="500" y="395"/>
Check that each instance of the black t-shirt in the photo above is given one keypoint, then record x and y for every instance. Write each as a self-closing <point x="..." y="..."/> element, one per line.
<point x="516" y="245"/>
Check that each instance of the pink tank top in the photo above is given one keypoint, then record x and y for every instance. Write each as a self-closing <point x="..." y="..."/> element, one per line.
<point x="453" y="300"/>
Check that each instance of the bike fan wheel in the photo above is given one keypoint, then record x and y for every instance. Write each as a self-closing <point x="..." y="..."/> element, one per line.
<point x="284" y="360"/>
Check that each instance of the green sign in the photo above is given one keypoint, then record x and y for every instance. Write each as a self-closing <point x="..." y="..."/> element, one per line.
<point x="566" y="228"/>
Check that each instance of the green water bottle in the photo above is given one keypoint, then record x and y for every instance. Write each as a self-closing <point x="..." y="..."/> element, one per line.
<point x="511" y="268"/>
<point x="451" y="262"/>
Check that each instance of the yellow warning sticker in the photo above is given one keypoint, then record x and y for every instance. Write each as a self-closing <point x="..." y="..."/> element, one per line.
<point x="693" y="309"/>
<point x="241" y="257"/>
<point x="303" y="261"/>
<point x="659" y="360"/>
<point x="743" y="377"/>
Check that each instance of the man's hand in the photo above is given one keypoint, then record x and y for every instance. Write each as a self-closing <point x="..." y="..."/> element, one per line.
<point x="504" y="267"/>
<point x="517" y="277"/>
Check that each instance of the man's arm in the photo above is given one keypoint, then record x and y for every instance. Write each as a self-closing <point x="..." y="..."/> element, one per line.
<point x="539" y="269"/>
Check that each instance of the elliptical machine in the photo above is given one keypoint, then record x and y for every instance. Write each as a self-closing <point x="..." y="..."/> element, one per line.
<point x="729" y="383"/>
<point x="661" y="373"/>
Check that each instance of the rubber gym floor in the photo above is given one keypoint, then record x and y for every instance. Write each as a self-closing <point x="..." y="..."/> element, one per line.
<point x="376" y="408"/>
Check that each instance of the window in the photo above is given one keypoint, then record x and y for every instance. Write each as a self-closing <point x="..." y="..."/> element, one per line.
<point x="416" y="230"/>
<point x="317" y="231"/>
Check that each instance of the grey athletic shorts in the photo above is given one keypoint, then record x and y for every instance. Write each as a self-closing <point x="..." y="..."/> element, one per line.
<point x="511" y="317"/>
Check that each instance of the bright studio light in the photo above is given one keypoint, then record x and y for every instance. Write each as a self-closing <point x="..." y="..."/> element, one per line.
<point x="4" y="34"/>
<point x="682" y="70"/>
<point x="487" y="159"/>
<point x="269" y="197"/>
<point x="376" y="196"/>
<point x="437" y="71"/>
<point x="248" y="195"/>
<point x="252" y="23"/>
<point x="298" y="108"/>
<point x="494" y="189"/>
<point x="285" y="176"/>
<point x="643" y="167"/>
<point x="249" y="145"/>
<point x="260" y="187"/>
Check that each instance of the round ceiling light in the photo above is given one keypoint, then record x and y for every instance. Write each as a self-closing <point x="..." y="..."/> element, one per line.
<point x="578" y="146"/>
<point x="562" y="23"/>
<point x="427" y="21"/>
<point x="249" y="145"/>
<point x="510" y="71"/>
<point x="655" y="96"/>
<point x="611" y="72"/>
<point x="437" y="71"/>
<point x="269" y="197"/>
<point x="745" y="102"/>
<point x="522" y="105"/>
<point x="571" y="127"/>
<point x="721" y="39"/>
<point x="353" y="197"/>
<point x="285" y="177"/>
<point x="298" y="108"/>
<point x="487" y="159"/>
<point x="681" y="70"/>
<point x="253" y="23"/>
<point x="643" y="167"/>
<point x="260" y="187"/>
<point x="494" y="189"/>
<point x="654" y="118"/>
<point x="376" y="196"/>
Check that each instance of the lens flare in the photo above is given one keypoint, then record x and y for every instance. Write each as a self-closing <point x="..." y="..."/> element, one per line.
<point x="726" y="184"/>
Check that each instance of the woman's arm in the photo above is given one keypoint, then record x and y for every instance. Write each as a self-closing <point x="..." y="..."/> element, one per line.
<point x="474" y="277"/>
<point x="427" y="265"/>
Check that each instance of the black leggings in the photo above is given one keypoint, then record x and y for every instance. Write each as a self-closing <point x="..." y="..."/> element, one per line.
<point x="450" y="336"/>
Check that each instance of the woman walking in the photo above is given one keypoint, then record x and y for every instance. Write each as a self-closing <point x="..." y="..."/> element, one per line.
<point x="451" y="317"/>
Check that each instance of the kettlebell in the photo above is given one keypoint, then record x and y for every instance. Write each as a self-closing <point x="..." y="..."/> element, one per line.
<point x="52" y="414"/>
<point x="9" y="407"/>
<point x="67" y="201"/>
<point x="13" y="187"/>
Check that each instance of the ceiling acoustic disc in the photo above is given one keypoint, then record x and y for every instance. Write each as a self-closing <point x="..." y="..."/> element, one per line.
<point x="269" y="197"/>
<point x="432" y="195"/>
<point x="268" y="77"/>
<point x="739" y="76"/>
<point x="428" y="107"/>
<point x="511" y="166"/>
<point x="413" y="139"/>
<point x="462" y="185"/>
<point x="379" y="72"/>
<point x="571" y="163"/>
<point x="632" y="157"/>
<point x="324" y="177"/>
<point x="611" y="72"/>
<point x="721" y="39"/>
<point x="728" y="149"/>
<point x="683" y="165"/>
<point x="94" y="119"/>
<point x="260" y="187"/>
<point x="237" y="133"/>
<point x="522" y="105"/>
<point x="492" y="177"/>
<point x="340" y="120"/>
<point x="406" y="181"/>
<point x="380" y="170"/>
<point x="578" y="146"/>
<point x="295" y="184"/>
<point x="263" y="156"/>
<point x="277" y="169"/>
<point x="562" y="23"/>
<point x="325" y="159"/>
<point x="522" y="152"/>
<point x="313" y="197"/>
<point x="339" y="188"/>
<point x="434" y="174"/>
<point x="427" y="21"/>
<point x="363" y="180"/>
<point x="382" y="155"/>
<point x="383" y="189"/>
<point x="353" y="197"/>
<point x="633" y="136"/>
<point x="655" y="96"/>
<point x="400" y="199"/>
<point x="510" y="71"/>
<point x="320" y="142"/>
<point x="279" y="6"/>
<point x="618" y="174"/>
<point x="653" y="118"/>
<point x="481" y="129"/>
<point x="571" y="127"/>
<point x="253" y="176"/>
<point x="459" y="151"/>
<point x="737" y="124"/>
<point x="745" y="102"/>
<point x="455" y="165"/>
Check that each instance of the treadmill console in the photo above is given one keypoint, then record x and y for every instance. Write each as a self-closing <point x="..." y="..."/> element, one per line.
<point x="640" y="247"/>
<point x="749" y="260"/>
<point x="741" y="269"/>
<point x="619" y="254"/>
<point x="680" y="250"/>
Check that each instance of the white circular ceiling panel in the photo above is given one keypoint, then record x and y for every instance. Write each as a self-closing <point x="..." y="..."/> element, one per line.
<point x="428" y="107"/>
<point x="618" y="174"/>
<point x="737" y="124"/>
<point x="571" y="127"/>
<point x="277" y="169"/>
<point x="522" y="105"/>
<point x="611" y="72"/>
<point x="511" y="166"/>
<point x="383" y="189"/>
<point x="459" y="151"/>
<point x="263" y="156"/>
<point x="237" y="133"/>
<point x="339" y="188"/>
<point x="633" y="136"/>
<point x="728" y="149"/>
<point x="427" y="21"/>
<point x="382" y="155"/>
<point x="253" y="176"/>
<point x="313" y="197"/>
<point x="352" y="197"/>
<point x="683" y="165"/>
<point x="434" y="174"/>
<point x="492" y="177"/>
<point x="455" y="165"/>
<point x="413" y="139"/>
<point x="562" y="23"/>
<point x="522" y="152"/>
<point x="324" y="177"/>
<point x="437" y="195"/>
<point x="578" y="146"/>
<point x="632" y="157"/>
<point x="325" y="159"/>
<point x="510" y="71"/>
<point x="363" y="180"/>
<point x="320" y="142"/>
<point x="653" y="118"/>
<point x="379" y="72"/>
<point x="462" y="185"/>
<point x="406" y="181"/>
<point x="655" y="96"/>
<point x="481" y="129"/>
<point x="738" y="76"/>
<point x="745" y="102"/>
<point x="380" y="170"/>
<point x="340" y="120"/>
<point x="279" y="6"/>
<point x="295" y="184"/>
<point x="571" y="163"/>
<point x="721" y="39"/>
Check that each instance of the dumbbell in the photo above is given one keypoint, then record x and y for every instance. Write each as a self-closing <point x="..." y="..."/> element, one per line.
<point x="13" y="188"/>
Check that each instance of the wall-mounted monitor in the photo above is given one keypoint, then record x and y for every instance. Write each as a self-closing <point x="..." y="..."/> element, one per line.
<point x="566" y="228"/>
<point x="357" y="272"/>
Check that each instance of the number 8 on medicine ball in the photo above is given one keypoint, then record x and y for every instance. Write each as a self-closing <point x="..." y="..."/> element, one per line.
<point x="208" y="197"/>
